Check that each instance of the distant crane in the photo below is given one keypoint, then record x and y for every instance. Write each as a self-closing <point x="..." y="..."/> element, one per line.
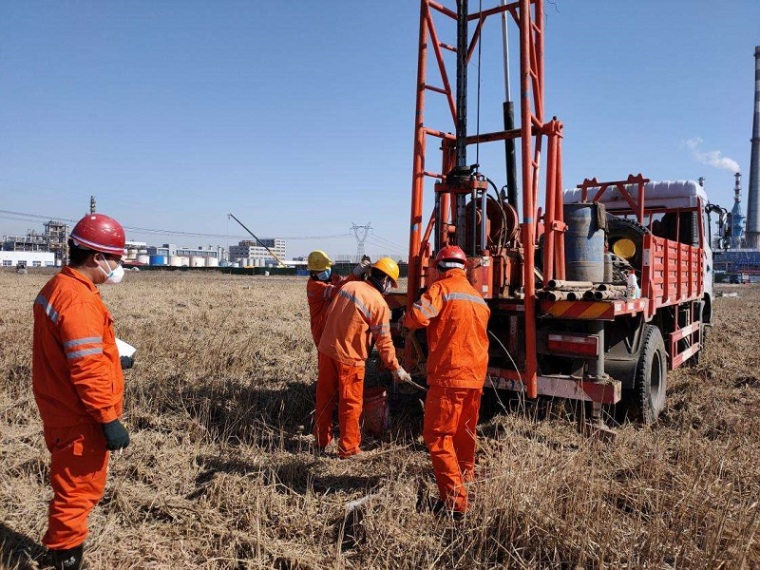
<point x="280" y="262"/>
<point x="361" y="236"/>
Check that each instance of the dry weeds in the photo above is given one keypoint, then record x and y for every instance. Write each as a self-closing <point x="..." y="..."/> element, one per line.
<point x="221" y="471"/>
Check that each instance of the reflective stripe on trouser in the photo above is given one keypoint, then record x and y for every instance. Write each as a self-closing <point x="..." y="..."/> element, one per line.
<point x="345" y="385"/>
<point x="451" y="415"/>
<point x="78" y="469"/>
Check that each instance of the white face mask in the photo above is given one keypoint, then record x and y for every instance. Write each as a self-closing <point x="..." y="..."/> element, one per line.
<point x="115" y="275"/>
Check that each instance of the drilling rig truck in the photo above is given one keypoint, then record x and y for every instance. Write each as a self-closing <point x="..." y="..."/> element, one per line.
<point x="595" y="292"/>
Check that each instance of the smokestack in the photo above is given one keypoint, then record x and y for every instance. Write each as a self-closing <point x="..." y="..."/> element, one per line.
<point x="753" y="201"/>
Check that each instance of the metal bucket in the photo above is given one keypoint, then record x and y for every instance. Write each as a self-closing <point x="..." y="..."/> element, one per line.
<point x="584" y="244"/>
<point x="377" y="417"/>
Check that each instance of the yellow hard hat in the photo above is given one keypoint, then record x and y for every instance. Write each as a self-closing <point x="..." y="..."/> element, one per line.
<point x="318" y="261"/>
<point x="389" y="267"/>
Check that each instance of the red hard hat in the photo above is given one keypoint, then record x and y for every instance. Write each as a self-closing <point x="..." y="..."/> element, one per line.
<point x="99" y="233"/>
<point x="451" y="253"/>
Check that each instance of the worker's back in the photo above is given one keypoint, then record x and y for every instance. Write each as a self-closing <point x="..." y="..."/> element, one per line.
<point x="356" y="314"/>
<point x="457" y="337"/>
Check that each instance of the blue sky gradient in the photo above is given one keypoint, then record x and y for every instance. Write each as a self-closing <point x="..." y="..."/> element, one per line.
<point x="298" y="116"/>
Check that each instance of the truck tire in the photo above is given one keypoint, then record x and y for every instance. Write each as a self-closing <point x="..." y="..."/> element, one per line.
<point x="650" y="380"/>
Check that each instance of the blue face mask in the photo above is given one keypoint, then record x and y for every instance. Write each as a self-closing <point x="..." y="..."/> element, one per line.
<point x="325" y="275"/>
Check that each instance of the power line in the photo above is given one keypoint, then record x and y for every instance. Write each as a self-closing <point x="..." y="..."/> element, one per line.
<point x="387" y="242"/>
<point x="395" y="250"/>
<point x="26" y="217"/>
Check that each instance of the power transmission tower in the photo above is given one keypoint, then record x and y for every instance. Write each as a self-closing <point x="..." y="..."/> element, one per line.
<point x="361" y="236"/>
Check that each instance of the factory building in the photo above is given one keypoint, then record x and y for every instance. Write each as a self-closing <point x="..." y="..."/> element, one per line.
<point x="170" y="254"/>
<point x="54" y="239"/>
<point x="27" y="259"/>
<point x="253" y="253"/>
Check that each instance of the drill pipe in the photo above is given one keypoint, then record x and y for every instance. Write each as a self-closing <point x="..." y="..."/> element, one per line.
<point x="600" y="295"/>
<point x="559" y="284"/>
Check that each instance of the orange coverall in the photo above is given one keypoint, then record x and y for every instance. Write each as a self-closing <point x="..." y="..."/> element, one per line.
<point x="456" y="317"/>
<point x="78" y="385"/>
<point x="319" y="295"/>
<point x="357" y="315"/>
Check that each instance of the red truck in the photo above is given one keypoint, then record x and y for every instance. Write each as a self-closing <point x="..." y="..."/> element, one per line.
<point x="595" y="293"/>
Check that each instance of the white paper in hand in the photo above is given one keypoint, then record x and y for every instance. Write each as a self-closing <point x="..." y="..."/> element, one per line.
<point x="124" y="348"/>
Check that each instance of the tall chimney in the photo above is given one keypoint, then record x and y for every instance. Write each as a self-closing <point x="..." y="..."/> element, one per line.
<point x="753" y="200"/>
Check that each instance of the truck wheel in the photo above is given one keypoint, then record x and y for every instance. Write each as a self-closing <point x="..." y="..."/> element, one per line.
<point x="650" y="378"/>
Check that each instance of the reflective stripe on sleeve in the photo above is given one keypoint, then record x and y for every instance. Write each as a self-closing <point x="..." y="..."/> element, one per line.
<point x="85" y="352"/>
<point x="379" y="330"/>
<point x="85" y="340"/>
<point x="49" y="310"/>
<point x="426" y="309"/>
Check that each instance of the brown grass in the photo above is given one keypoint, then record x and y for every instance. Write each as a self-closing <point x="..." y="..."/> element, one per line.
<point x="221" y="471"/>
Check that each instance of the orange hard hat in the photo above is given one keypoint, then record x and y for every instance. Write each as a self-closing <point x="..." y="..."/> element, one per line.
<point x="100" y="233"/>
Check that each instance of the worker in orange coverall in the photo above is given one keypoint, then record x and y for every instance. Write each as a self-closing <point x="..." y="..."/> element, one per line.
<point x="322" y="285"/>
<point x="456" y="317"/>
<point x="358" y="314"/>
<point x="78" y="383"/>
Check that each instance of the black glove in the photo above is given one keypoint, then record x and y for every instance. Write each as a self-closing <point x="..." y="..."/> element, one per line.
<point x="116" y="435"/>
<point x="126" y="362"/>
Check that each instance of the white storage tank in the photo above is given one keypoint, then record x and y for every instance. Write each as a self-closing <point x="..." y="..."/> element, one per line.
<point x="131" y="254"/>
<point x="143" y="258"/>
<point x="212" y="262"/>
<point x="179" y="261"/>
<point x="197" y="261"/>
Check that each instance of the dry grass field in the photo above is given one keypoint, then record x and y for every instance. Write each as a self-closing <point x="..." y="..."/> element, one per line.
<point x="221" y="471"/>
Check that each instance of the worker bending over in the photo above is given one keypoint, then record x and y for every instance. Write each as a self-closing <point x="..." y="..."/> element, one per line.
<point x="322" y="285"/>
<point x="78" y="383"/>
<point x="456" y="317"/>
<point x="358" y="314"/>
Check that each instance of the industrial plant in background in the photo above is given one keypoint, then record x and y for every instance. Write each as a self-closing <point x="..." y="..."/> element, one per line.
<point x="49" y="249"/>
<point x="46" y="249"/>
<point x="741" y="263"/>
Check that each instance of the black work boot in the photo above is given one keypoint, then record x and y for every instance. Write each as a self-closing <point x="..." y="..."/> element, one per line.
<point x="441" y="510"/>
<point x="66" y="559"/>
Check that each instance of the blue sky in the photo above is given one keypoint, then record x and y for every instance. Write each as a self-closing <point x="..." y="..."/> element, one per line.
<point x="297" y="116"/>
